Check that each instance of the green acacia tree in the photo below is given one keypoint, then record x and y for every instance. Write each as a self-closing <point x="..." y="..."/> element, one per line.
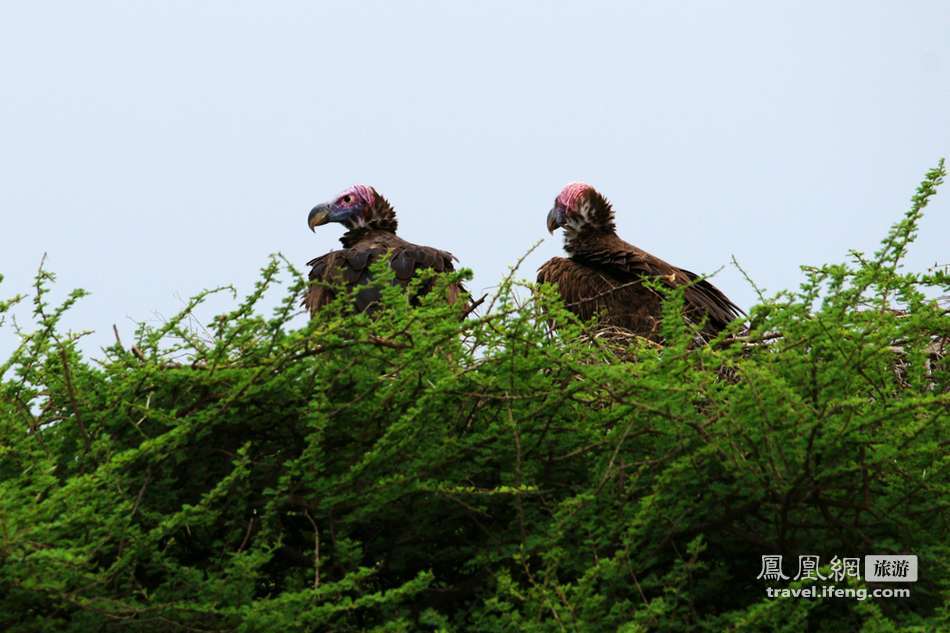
<point x="414" y="471"/>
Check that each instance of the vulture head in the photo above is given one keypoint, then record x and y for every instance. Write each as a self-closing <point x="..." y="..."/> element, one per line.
<point x="580" y="208"/>
<point x="356" y="207"/>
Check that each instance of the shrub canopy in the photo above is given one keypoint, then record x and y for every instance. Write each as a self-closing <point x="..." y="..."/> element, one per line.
<point x="414" y="471"/>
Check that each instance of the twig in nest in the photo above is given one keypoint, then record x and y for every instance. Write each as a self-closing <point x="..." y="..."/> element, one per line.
<point x="473" y="305"/>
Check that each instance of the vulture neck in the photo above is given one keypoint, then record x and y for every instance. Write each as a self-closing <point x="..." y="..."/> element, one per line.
<point x="588" y="239"/>
<point x="590" y="227"/>
<point x="380" y="220"/>
<point x="361" y="233"/>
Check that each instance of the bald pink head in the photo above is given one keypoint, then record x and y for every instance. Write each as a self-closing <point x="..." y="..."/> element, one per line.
<point x="570" y="194"/>
<point x="362" y="195"/>
<point x="356" y="206"/>
<point x="580" y="208"/>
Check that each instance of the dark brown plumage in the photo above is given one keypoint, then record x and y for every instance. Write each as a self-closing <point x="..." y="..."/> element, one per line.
<point x="604" y="274"/>
<point x="371" y="233"/>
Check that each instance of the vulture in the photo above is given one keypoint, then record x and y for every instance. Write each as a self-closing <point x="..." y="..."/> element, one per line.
<point x="370" y="223"/>
<point x="604" y="275"/>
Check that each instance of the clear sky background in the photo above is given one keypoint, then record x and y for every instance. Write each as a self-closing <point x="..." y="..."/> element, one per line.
<point x="154" y="149"/>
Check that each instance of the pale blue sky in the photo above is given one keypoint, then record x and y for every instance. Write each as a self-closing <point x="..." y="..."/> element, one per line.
<point x="153" y="149"/>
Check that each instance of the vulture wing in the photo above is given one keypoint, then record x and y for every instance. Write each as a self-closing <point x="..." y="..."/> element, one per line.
<point x="721" y="310"/>
<point x="585" y="290"/>
<point x="608" y="279"/>
<point x="352" y="268"/>
<point x="620" y="300"/>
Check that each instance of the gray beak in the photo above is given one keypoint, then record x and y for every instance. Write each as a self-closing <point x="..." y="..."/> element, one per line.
<point x="318" y="215"/>
<point x="555" y="218"/>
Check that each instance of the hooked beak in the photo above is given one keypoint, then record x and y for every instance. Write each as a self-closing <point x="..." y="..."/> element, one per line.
<point x="318" y="215"/>
<point x="555" y="218"/>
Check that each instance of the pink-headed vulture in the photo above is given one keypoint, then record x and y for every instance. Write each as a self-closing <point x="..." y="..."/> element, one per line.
<point x="370" y="223"/>
<point x="604" y="275"/>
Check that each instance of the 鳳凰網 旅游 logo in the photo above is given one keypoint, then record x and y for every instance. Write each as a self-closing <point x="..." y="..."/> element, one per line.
<point x="813" y="579"/>
<point x="890" y="568"/>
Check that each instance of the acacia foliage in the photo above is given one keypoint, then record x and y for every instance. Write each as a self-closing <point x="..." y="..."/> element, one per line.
<point x="414" y="471"/>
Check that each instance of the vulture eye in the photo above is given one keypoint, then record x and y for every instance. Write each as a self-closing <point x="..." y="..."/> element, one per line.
<point x="347" y="199"/>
